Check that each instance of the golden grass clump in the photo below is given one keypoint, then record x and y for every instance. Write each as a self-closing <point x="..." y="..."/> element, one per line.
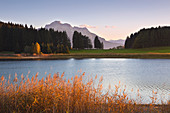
<point x="58" y="95"/>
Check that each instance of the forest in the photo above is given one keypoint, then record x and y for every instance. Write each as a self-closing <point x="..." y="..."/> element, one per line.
<point x="23" y="39"/>
<point x="18" y="38"/>
<point x="147" y="38"/>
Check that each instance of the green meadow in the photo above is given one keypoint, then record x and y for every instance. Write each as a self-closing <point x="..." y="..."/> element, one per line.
<point x="144" y="50"/>
<point x="145" y="53"/>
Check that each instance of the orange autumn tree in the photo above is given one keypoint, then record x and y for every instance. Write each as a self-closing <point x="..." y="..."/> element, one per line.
<point x="37" y="48"/>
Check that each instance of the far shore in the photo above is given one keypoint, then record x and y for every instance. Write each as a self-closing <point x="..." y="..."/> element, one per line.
<point x="84" y="55"/>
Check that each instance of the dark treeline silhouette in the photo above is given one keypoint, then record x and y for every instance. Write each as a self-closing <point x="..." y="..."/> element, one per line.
<point x="80" y="41"/>
<point x="19" y="38"/>
<point x="146" y="38"/>
<point x="97" y="43"/>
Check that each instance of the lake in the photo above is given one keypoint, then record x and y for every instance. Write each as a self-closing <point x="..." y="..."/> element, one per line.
<point x="143" y="74"/>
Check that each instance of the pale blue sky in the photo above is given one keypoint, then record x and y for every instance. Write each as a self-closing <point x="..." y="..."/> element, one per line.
<point x="111" y="19"/>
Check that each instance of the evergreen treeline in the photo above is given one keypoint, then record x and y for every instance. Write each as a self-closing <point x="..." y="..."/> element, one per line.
<point x="19" y="38"/>
<point x="145" y="38"/>
<point x="97" y="43"/>
<point x="80" y="41"/>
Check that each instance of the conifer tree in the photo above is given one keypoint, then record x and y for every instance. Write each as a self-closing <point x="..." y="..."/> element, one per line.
<point x="67" y="49"/>
<point x="17" y="48"/>
<point x="49" y="49"/>
<point x="97" y="43"/>
<point x="62" y="48"/>
<point x="80" y="41"/>
<point x="58" y="48"/>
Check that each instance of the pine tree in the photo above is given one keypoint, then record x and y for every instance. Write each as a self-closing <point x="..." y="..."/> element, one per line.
<point x="49" y="49"/>
<point x="62" y="48"/>
<point x="75" y="40"/>
<point x="67" y="49"/>
<point x="17" y="48"/>
<point x="58" y="48"/>
<point x="27" y="49"/>
<point x="102" y="45"/>
<point x="96" y="42"/>
<point x="80" y="41"/>
<point x="1" y="41"/>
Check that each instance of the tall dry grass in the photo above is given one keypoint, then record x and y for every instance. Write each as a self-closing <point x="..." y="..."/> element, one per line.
<point x="56" y="94"/>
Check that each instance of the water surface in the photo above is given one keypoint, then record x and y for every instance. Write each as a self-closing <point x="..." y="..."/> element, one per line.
<point x="143" y="74"/>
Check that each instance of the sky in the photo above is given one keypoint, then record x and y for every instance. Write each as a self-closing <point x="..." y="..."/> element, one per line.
<point x="110" y="19"/>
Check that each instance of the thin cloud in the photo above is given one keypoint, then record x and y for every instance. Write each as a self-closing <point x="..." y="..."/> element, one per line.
<point x="87" y="26"/>
<point x="108" y="27"/>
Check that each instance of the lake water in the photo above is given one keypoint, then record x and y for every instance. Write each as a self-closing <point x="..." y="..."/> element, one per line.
<point x="143" y="74"/>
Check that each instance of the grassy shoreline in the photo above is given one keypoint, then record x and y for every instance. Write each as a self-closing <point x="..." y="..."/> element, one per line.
<point x="147" y="53"/>
<point x="86" y="55"/>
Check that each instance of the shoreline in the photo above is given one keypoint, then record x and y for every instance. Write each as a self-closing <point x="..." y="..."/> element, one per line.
<point x="84" y="56"/>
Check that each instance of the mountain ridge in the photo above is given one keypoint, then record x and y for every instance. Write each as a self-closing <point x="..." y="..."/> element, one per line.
<point x="119" y="41"/>
<point x="58" y="26"/>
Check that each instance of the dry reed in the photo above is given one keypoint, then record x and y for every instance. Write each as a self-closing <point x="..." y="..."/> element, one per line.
<point x="58" y="95"/>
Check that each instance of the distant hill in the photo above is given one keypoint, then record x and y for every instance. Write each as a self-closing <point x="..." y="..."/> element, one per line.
<point x="119" y="42"/>
<point x="58" y="26"/>
<point x="152" y="37"/>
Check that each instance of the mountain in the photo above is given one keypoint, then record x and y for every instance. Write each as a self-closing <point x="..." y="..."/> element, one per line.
<point x="57" y="25"/>
<point x="119" y="42"/>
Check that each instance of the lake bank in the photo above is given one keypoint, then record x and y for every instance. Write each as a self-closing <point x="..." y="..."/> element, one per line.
<point x="85" y="55"/>
<point x="144" y="53"/>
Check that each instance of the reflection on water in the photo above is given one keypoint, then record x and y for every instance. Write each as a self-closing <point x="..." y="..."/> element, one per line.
<point x="143" y="74"/>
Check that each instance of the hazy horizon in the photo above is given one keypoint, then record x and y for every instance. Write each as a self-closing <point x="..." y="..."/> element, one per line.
<point x="110" y="19"/>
